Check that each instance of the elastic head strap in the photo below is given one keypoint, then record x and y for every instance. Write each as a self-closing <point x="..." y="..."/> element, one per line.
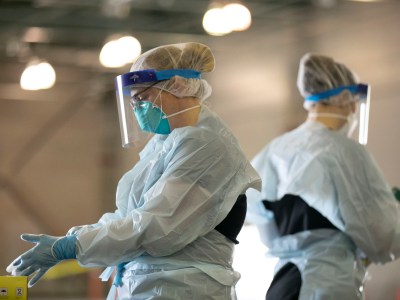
<point x="361" y="89"/>
<point x="151" y="75"/>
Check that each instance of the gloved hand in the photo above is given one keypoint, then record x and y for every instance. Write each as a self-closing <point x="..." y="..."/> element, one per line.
<point x="118" y="276"/>
<point x="48" y="252"/>
<point x="74" y="230"/>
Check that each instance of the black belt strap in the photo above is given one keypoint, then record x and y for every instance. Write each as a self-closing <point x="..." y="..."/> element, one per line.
<point x="233" y="223"/>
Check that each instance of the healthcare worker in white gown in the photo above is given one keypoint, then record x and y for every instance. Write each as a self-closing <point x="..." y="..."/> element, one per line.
<point x="325" y="208"/>
<point x="180" y="208"/>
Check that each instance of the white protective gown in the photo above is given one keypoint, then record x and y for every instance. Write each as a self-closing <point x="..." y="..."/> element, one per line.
<point x="339" y="178"/>
<point x="168" y="205"/>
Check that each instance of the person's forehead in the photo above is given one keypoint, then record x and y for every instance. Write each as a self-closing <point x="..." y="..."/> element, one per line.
<point x="137" y="90"/>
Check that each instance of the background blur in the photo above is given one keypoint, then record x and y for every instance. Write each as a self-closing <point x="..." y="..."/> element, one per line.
<point x="60" y="148"/>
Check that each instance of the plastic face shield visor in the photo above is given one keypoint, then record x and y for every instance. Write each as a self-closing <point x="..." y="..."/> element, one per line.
<point x="125" y="83"/>
<point x="361" y="92"/>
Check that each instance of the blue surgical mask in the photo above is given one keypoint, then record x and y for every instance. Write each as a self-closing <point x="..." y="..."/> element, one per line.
<point x="151" y="118"/>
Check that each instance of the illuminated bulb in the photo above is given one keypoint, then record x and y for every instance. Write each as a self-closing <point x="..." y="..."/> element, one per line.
<point x="215" y="22"/>
<point x="130" y="48"/>
<point x="38" y="76"/>
<point x="238" y="15"/>
<point x="117" y="53"/>
<point x="109" y="55"/>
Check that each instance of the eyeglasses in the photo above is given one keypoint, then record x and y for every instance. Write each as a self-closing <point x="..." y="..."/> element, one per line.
<point x="136" y="98"/>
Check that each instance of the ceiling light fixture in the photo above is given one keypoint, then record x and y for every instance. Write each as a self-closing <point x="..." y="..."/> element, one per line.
<point x="38" y="75"/>
<point x="223" y="19"/>
<point x="119" y="52"/>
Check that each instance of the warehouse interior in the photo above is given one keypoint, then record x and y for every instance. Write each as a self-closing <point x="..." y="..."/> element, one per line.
<point x="60" y="148"/>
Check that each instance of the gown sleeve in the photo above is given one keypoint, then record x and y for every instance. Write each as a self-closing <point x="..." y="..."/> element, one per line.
<point x="197" y="188"/>
<point x="370" y="211"/>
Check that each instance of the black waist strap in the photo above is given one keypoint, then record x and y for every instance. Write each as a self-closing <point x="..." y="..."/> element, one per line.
<point x="293" y="214"/>
<point x="233" y="223"/>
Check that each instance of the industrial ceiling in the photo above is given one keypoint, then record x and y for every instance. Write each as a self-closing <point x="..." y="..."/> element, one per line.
<point x="60" y="149"/>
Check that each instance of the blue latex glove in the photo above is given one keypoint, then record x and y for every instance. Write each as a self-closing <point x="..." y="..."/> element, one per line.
<point x="118" y="276"/>
<point x="74" y="230"/>
<point x="48" y="252"/>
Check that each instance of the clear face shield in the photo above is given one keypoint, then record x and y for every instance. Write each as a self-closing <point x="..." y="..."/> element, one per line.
<point x="139" y="119"/>
<point x="362" y="93"/>
<point x="357" y="123"/>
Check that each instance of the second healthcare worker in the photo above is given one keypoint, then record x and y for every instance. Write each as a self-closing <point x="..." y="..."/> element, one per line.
<point x="180" y="208"/>
<point x="325" y="207"/>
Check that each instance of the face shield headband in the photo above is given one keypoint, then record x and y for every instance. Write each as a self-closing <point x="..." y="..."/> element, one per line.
<point x="362" y="92"/>
<point x="130" y="129"/>
<point x="146" y="76"/>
